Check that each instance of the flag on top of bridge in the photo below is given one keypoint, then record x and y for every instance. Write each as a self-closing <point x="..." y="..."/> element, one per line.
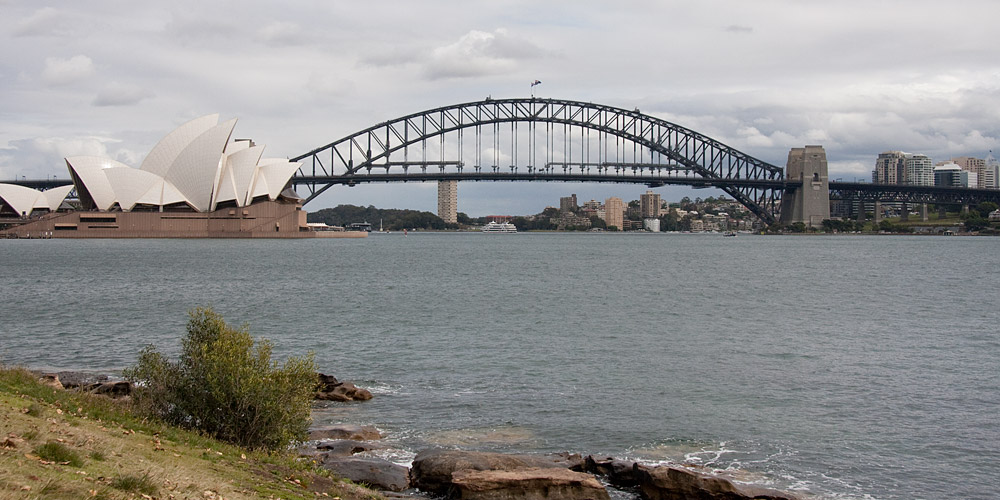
<point x="536" y="82"/>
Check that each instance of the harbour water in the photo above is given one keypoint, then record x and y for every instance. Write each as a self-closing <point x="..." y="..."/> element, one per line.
<point x="840" y="367"/>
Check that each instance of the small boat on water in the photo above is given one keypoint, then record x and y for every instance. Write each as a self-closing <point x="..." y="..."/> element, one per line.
<point x="501" y="227"/>
<point x="729" y="234"/>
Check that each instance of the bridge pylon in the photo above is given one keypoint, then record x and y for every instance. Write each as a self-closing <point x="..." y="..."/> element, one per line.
<point x="808" y="202"/>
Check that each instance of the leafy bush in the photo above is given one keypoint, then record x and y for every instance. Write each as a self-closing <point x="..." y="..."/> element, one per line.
<point x="225" y="386"/>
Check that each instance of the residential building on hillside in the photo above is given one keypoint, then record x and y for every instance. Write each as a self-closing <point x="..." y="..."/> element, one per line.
<point x="448" y="201"/>
<point x="649" y="204"/>
<point x="614" y="212"/>
<point x="918" y="170"/>
<point x="991" y="172"/>
<point x="974" y="165"/>
<point x="568" y="203"/>
<point x="890" y="168"/>
<point x="952" y="175"/>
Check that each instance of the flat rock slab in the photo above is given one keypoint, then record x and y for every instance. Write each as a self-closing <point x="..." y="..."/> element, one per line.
<point x="433" y="469"/>
<point x="376" y="472"/>
<point x="346" y="431"/>
<point x="527" y="484"/>
<point x="676" y="483"/>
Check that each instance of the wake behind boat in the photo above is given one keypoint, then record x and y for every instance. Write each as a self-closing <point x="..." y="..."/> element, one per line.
<point x="502" y="227"/>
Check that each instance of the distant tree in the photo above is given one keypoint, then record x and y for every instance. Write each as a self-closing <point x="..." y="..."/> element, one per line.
<point x="986" y="207"/>
<point x="612" y="228"/>
<point x="973" y="221"/>
<point x="463" y="219"/>
<point x="685" y="200"/>
<point x="598" y="222"/>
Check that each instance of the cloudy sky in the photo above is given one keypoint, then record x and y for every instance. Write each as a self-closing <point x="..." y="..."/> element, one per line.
<point x="111" y="77"/>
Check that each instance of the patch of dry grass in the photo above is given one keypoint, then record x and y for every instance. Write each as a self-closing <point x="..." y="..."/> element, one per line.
<point x="118" y="456"/>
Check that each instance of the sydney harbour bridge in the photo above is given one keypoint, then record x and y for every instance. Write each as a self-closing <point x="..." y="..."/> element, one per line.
<point x="534" y="139"/>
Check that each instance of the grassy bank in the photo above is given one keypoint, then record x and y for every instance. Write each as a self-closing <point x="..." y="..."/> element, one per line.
<point x="63" y="444"/>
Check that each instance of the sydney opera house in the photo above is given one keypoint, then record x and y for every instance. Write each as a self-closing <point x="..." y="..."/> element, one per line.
<point x="197" y="182"/>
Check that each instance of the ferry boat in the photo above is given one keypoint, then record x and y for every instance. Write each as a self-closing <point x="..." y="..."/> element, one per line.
<point x="502" y="227"/>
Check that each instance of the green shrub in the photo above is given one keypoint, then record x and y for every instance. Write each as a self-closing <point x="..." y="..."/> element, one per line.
<point x="226" y="386"/>
<point x="54" y="451"/>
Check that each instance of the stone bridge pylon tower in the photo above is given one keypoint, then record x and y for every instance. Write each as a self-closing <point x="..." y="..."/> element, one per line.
<point x="809" y="202"/>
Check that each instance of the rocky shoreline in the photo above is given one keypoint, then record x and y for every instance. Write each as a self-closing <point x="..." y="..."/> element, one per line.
<point x="347" y="451"/>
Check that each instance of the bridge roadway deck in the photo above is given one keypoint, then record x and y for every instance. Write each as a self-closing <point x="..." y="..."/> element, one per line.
<point x="838" y="190"/>
<point x="649" y="180"/>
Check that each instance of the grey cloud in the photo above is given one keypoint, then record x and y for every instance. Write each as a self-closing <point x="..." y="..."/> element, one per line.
<point x="117" y="94"/>
<point x="60" y="71"/>
<point x="282" y="34"/>
<point x="46" y="21"/>
<point x="734" y="28"/>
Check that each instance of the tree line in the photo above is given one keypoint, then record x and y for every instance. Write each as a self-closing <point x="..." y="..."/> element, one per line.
<point x="391" y="219"/>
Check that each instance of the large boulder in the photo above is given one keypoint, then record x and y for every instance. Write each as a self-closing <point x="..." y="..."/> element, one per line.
<point x="347" y="447"/>
<point x="51" y="380"/>
<point x="328" y="388"/>
<point x="432" y="469"/>
<point x="676" y="483"/>
<point x="375" y="472"/>
<point x="346" y="431"/>
<point x="619" y="472"/>
<point x="526" y="484"/>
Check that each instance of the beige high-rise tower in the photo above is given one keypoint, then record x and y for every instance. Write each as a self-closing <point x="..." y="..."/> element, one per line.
<point x="448" y="201"/>
<point x="614" y="212"/>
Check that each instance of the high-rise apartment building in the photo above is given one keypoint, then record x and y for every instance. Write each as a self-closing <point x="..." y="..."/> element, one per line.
<point x="614" y="212"/>
<point x="890" y="168"/>
<point x="974" y="165"/>
<point x="448" y="201"/>
<point x="991" y="173"/>
<point x="649" y="204"/>
<point x="953" y="175"/>
<point x="568" y="203"/>
<point x="918" y="170"/>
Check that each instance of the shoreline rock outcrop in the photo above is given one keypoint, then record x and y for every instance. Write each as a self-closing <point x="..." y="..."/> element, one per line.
<point x="328" y="388"/>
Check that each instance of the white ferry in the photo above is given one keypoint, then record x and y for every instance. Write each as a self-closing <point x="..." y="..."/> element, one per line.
<point x="503" y="227"/>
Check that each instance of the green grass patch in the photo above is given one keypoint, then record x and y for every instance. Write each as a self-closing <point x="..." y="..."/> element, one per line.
<point x="59" y="453"/>
<point x="96" y="455"/>
<point x="132" y="483"/>
<point x="35" y="410"/>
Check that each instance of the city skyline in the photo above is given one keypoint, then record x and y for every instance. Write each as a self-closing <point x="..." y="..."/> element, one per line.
<point x="857" y="79"/>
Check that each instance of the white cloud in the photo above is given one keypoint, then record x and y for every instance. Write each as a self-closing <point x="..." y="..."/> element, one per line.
<point x="64" y="71"/>
<point x="302" y="74"/>
<point x="479" y="53"/>
<point x="281" y="34"/>
<point x="46" y="21"/>
<point x="118" y="94"/>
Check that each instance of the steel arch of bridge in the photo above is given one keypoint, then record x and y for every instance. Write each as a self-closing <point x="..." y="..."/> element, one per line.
<point x="754" y="183"/>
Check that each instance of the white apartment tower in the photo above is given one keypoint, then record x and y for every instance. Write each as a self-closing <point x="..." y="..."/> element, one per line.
<point x="991" y="174"/>
<point x="918" y="170"/>
<point x="448" y="201"/>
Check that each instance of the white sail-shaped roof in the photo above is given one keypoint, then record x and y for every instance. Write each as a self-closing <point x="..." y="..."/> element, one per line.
<point x="56" y="196"/>
<point x="21" y="199"/>
<point x="195" y="164"/>
<point x="196" y="168"/>
<point x="131" y="185"/>
<point x="25" y="200"/>
<point x="237" y="175"/>
<point x="90" y="171"/>
<point x="276" y="172"/>
<point x="163" y="155"/>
